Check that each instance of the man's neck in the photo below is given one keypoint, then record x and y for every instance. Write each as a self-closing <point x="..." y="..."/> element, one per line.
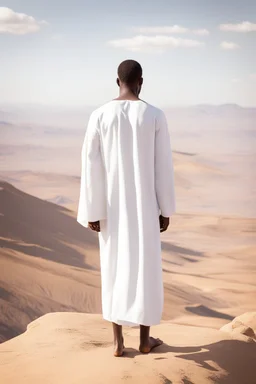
<point x="127" y="94"/>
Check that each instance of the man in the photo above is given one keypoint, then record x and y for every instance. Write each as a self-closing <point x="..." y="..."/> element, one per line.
<point x="127" y="196"/>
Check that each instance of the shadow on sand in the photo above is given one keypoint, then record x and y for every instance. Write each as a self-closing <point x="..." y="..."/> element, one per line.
<point x="236" y="357"/>
<point x="186" y="254"/>
<point x="202" y="310"/>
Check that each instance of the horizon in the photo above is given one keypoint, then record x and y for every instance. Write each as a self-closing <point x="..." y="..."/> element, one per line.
<point x="79" y="106"/>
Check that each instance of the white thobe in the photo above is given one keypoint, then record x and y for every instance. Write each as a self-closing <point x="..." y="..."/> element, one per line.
<point x="126" y="182"/>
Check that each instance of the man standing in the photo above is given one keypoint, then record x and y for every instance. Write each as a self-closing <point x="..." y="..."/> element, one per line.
<point x="127" y="196"/>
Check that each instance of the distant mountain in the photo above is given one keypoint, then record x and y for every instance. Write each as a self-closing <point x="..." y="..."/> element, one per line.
<point x="77" y="117"/>
<point x="2" y="122"/>
<point x="205" y="110"/>
<point x="43" y="115"/>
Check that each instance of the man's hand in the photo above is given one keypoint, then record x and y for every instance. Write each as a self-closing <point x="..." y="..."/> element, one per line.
<point x="94" y="225"/>
<point x="164" y="223"/>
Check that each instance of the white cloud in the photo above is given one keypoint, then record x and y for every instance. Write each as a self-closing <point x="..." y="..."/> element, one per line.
<point x="155" y="44"/>
<point x="228" y="45"/>
<point x="166" y="30"/>
<point x="161" y="30"/>
<point x="245" y="26"/>
<point x="18" y="23"/>
<point x="201" y="32"/>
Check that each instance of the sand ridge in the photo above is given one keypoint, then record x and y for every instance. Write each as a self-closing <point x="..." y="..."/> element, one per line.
<point x="50" y="263"/>
<point x="77" y="348"/>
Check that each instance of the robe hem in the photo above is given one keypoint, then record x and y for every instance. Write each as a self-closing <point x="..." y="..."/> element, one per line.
<point x="82" y="222"/>
<point x="131" y="322"/>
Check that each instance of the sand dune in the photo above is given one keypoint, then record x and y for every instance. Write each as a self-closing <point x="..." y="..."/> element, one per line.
<point x="77" y="348"/>
<point x="47" y="186"/>
<point x="203" y="184"/>
<point x="39" y="228"/>
<point x="47" y="262"/>
<point x="213" y="148"/>
<point x="50" y="263"/>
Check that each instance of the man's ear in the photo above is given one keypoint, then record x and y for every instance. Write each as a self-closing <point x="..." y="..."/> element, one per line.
<point x="141" y="80"/>
<point x="118" y="82"/>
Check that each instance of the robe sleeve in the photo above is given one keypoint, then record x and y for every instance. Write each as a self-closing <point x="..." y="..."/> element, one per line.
<point x="164" y="173"/>
<point x="92" y="201"/>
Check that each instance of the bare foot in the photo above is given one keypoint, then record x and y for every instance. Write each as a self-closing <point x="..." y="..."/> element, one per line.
<point x="119" y="348"/>
<point x="150" y="344"/>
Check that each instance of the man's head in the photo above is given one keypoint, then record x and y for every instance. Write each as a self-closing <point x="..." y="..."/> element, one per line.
<point x="130" y="75"/>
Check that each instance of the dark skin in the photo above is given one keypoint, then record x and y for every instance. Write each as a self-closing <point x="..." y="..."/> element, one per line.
<point x="147" y="343"/>
<point x="163" y="223"/>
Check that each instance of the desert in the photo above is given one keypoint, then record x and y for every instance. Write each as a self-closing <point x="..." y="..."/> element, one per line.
<point x="50" y="292"/>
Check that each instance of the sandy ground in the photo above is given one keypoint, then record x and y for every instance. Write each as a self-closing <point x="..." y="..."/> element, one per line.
<point x="77" y="348"/>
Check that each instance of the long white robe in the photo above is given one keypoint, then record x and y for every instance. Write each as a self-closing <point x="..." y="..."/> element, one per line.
<point x="126" y="182"/>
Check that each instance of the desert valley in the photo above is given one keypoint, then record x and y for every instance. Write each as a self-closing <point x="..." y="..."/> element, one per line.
<point x="50" y="298"/>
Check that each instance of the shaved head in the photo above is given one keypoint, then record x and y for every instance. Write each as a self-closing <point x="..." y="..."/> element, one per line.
<point x="129" y="72"/>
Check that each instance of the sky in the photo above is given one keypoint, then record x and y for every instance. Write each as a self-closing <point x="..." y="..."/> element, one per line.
<point x="66" y="53"/>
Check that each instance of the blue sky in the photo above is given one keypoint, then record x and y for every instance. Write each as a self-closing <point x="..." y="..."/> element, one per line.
<point x="192" y="52"/>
